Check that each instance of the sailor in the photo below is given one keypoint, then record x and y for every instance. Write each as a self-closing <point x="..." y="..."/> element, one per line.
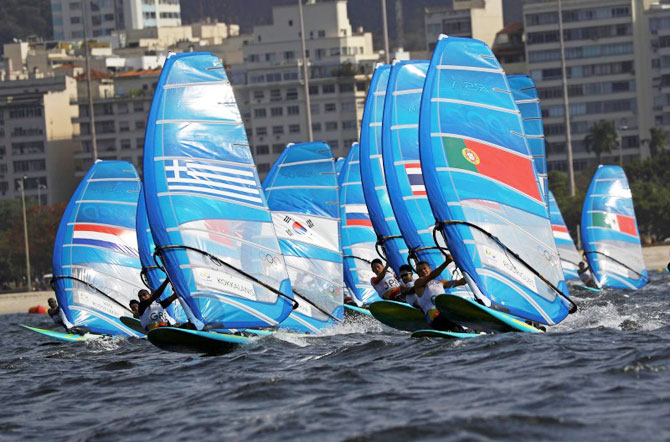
<point x="427" y="288"/>
<point x="135" y="308"/>
<point x="585" y="275"/>
<point x="407" y="285"/>
<point x="385" y="283"/>
<point x="58" y="315"/>
<point x="152" y="311"/>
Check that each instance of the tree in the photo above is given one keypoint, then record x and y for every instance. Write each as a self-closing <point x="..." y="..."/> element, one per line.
<point x="657" y="142"/>
<point x="602" y="138"/>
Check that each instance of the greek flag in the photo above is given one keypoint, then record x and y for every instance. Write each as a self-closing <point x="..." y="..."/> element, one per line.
<point x="229" y="182"/>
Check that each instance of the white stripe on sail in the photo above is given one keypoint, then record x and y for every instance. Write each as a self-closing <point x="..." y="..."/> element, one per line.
<point x="215" y="192"/>
<point x="355" y="208"/>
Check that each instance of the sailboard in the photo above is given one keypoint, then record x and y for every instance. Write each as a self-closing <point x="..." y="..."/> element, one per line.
<point x="526" y="99"/>
<point x="389" y="239"/>
<point x="482" y="185"/>
<point x="207" y="212"/>
<point x="60" y="336"/>
<point x="400" y="154"/>
<point x="195" y="341"/>
<point x="152" y="275"/>
<point x="398" y="315"/>
<point x="302" y="193"/>
<point x="431" y="333"/>
<point x="610" y="236"/>
<point x="567" y="251"/>
<point x="358" y="236"/>
<point x="96" y="265"/>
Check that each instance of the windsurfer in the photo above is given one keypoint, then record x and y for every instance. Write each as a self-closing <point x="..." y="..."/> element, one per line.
<point x="407" y="285"/>
<point x="58" y="316"/>
<point x="427" y="288"/>
<point x="585" y="276"/>
<point x="135" y="308"/>
<point x="385" y="282"/>
<point x="151" y="311"/>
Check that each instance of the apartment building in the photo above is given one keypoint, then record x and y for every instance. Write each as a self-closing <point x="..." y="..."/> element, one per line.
<point x="106" y="16"/>
<point x="607" y="47"/>
<point x="659" y="47"/>
<point x="36" y="137"/>
<point x="269" y="89"/>
<point x="480" y="19"/>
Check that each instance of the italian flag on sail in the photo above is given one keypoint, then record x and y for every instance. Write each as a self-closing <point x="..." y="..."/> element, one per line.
<point x="495" y="163"/>
<point x="620" y="223"/>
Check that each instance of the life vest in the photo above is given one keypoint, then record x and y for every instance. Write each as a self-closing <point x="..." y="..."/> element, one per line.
<point x="410" y="298"/>
<point x="387" y="286"/>
<point x="427" y="299"/>
<point x="155" y="316"/>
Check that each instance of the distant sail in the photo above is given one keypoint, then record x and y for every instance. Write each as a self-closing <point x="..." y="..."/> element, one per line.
<point x="372" y="172"/>
<point x="358" y="237"/>
<point x="482" y="184"/>
<point x="302" y="193"/>
<point x="526" y="99"/>
<point x="152" y="275"/>
<point x="610" y="235"/>
<point x="96" y="265"/>
<point x="570" y="258"/>
<point x="206" y="208"/>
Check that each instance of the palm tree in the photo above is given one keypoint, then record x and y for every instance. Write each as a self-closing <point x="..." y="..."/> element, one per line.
<point x="602" y="138"/>
<point x="657" y="142"/>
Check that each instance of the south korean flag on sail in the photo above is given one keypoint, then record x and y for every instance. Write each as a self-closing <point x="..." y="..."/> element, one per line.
<point x="317" y="231"/>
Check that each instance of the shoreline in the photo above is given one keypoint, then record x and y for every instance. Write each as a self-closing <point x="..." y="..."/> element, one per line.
<point x="656" y="257"/>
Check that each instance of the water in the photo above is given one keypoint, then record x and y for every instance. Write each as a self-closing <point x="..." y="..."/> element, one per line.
<point x="604" y="374"/>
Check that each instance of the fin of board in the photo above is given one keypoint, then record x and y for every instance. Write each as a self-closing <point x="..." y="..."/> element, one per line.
<point x="66" y="337"/>
<point x="398" y="315"/>
<point x="432" y="333"/>
<point x="478" y="317"/>
<point x="132" y="323"/>
<point x="193" y="341"/>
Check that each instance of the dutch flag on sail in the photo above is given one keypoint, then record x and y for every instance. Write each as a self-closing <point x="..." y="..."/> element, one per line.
<point x="225" y="181"/>
<point x="415" y="179"/>
<point x="114" y="238"/>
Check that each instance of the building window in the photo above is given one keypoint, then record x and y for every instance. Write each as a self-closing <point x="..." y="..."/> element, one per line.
<point x="322" y="34"/>
<point x="331" y="125"/>
<point x="348" y="107"/>
<point x="277" y="130"/>
<point x="262" y="149"/>
<point x="330" y="107"/>
<point x="138" y="106"/>
<point x="276" y="111"/>
<point x="314" y="90"/>
<point x="260" y="113"/>
<point x="316" y="127"/>
<point x="346" y="87"/>
<point x="125" y="144"/>
<point x="259" y="94"/>
<point x="294" y="128"/>
<point x="275" y="94"/>
<point x="139" y="125"/>
<point x="139" y="143"/>
<point x="260" y="131"/>
<point x="277" y="148"/>
<point x="291" y="94"/>
<point x="293" y="110"/>
<point x="124" y="126"/>
<point x="328" y="88"/>
<point x="29" y="166"/>
<point x="27" y="148"/>
<point x="349" y="124"/>
<point x="25" y="112"/>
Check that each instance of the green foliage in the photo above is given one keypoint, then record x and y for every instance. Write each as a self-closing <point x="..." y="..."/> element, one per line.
<point x="602" y="138"/>
<point x="657" y="141"/>
<point x="21" y="19"/>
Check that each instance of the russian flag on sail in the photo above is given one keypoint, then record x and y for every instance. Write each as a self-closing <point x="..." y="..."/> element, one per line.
<point x="357" y="215"/>
<point x="225" y="181"/>
<point x="415" y="177"/>
<point x="117" y="239"/>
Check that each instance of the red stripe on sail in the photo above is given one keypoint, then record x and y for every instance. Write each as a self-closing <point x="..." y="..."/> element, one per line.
<point x="82" y="227"/>
<point x="556" y="228"/>
<point x="359" y="222"/>
<point x="627" y="224"/>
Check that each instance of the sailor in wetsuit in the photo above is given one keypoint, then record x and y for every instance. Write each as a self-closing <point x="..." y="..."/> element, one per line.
<point x="585" y="275"/>
<point x="385" y="283"/>
<point x="58" y="316"/>
<point x="152" y="311"/>
<point x="427" y="288"/>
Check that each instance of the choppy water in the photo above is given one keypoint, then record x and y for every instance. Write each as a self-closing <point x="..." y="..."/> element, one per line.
<point x="604" y="374"/>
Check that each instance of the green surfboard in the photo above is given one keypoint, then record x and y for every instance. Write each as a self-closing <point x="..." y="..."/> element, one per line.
<point x="132" y="323"/>
<point x="398" y="315"/>
<point x="478" y="317"/>
<point x="352" y="311"/>
<point x="194" y="341"/>
<point x="431" y="333"/>
<point x="67" y="337"/>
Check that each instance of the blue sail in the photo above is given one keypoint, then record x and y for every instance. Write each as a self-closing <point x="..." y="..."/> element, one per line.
<point x="526" y="99"/>
<point x="482" y="184"/>
<point x="610" y="235"/>
<point x="302" y="193"/>
<point x="372" y="172"/>
<point x="570" y="258"/>
<point x="152" y="275"/>
<point x="338" y="165"/>
<point x="96" y="265"/>
<point x="206" y="208"/>
<point x="358" y="237"/>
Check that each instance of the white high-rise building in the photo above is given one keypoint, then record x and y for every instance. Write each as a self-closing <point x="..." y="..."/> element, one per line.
<point x="107" y="16"/>
<point x="269" y="88"/>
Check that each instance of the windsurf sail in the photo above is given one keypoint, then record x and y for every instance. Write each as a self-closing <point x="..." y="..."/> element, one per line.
<point x="390" y="242"/>
<point x="152" y="275"/>
<point x="482" y="184"/>
<point x="338" y="165"/>
<point x="96" y="265"/>
<point x="358" y="236"/>
<point x="302" y="193"/>
<point x="526" y="99"/>
<point x="610" y="235"/>
<point x="206" y="208"/>
<point x="567" y="251"/>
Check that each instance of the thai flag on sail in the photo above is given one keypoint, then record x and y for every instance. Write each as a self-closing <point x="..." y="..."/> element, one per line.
<point x="225" y="181"/>
<point x="357" y="215"/>
<point x="117" y="239"/>
<point x="415" y="179"/>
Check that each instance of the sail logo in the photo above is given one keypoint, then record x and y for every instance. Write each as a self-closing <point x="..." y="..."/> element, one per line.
<point x="613" y="221"/>
<point x="299" y="228"/>
<point x="114" y="238"/>
<point x="357" y="215"/>
<point x="415" y="176"/>
<point x="229" y="182"/>
<point x="471" y="156"/>
<point x="560" y="232"/>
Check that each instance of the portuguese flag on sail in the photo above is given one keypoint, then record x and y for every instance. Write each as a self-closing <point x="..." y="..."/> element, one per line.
<point x="620" y="223"/>
<point x="494" y="163"/>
